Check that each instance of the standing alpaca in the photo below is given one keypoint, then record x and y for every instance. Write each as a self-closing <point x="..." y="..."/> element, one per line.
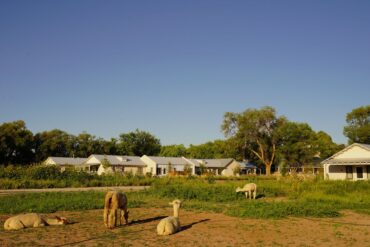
<point x="115" y="208"/>
<point x="250" y="189"/>
<point x="32" y="220"/>
<point x="171" y="224"/>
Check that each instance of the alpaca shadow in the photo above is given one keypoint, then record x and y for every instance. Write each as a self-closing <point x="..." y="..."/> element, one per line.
<point x="186" y="227"/>
<point x="260" y="196"/>
<point x="136" y="222"/>
<point x="75" y="243"/>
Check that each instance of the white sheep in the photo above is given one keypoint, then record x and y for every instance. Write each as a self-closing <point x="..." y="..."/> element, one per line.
<point x="170" y="224"/>
<point x="115" y="208"/>
<point x="32" y="220"/>
<point x="250" y="189"/>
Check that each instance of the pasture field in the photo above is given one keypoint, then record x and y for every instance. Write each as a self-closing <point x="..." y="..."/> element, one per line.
<point x="288" y="212"/>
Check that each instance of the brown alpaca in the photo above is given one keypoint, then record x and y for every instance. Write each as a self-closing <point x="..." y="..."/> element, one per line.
<point x="32" y="220"/>
<point x="115" y="209"/>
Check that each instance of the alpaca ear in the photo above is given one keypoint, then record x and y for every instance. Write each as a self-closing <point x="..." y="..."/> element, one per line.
<point x="58" y="218"/>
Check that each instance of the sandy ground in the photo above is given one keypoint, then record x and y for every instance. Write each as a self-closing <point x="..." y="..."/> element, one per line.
<point x="198" y="229"/>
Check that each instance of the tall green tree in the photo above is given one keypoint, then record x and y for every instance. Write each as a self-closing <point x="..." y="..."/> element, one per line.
<point x="16" y="143"/>
<point x="255" y="130"/>
<point x="296" y="144"/>
<point x="173" y="151"/>
<point x="138" y="143"/>
<point x="202" y="151"/>
<point x="85" y="145"/>
<point x="108" y="147"/>
<point x="358" y="125"/>
<point x="54" y="143"/>
<point x="325" y="145"/>
<point x="217" y="149"/>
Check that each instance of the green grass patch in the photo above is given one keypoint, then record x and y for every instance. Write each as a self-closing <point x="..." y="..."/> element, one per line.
<point x="276" y="199"/>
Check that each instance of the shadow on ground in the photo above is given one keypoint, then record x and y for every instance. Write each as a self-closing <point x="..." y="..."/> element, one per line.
<point x="183" y="228"/>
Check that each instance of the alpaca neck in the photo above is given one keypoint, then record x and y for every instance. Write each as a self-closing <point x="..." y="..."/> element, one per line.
<point x="52" y="222"/>
<point x="175" y="211"/>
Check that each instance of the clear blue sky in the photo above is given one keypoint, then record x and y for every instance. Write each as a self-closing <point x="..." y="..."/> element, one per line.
<point x="174" y="67"/>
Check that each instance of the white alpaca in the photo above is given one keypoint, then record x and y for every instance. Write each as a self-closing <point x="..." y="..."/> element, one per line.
<point x="170" y="224"/>
<point x="115" y="208"/>
<point x="32" y="220"/>
<point x="250" y="189"/>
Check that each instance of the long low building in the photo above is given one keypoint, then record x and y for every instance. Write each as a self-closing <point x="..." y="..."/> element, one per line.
<point x="154" y="165"/>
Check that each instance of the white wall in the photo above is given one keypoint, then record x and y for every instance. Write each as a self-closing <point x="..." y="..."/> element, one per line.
<point x="49" y="161"/>
<point x="229" y="170"/>
<point x="338" y="172"/>
<point x="102" y="170"/>
<point x="151" y="165"/>
<point x="92" y="160"/>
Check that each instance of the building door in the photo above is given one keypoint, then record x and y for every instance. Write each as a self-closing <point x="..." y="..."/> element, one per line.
<point x="359" y="172"/>
<point x="349" y="172"/>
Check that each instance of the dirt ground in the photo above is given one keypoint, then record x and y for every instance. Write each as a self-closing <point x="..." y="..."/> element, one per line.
<point x="198" y="229"/>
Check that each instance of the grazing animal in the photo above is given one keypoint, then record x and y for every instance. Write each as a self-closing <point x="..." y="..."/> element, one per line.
<point x="170" y="224"/>
<point x="250" y="189"/>
<point x="115" y="209"/>
<point x="32" y="220"/>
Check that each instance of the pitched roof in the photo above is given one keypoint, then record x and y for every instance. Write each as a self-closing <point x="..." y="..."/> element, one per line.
<point x="67" y="160"/>
<point x="132" y="161"/>
<point x="120" y="160"/>
<point x="219" y="163"/>
<point x="112" y="159"/>
<point x="167" y="160"/>
<point x="212" y="163"/>
<point x="246" y="164"/>
<point x="350" y="161"/>
<point x="333" y="159"/>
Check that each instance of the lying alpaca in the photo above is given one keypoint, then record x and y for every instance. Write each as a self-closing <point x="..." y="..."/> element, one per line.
<point x="32" y="220"/>
<point x="171" y="224"/>
<point x="250" y="189"/>
<point x="115" y="208"/>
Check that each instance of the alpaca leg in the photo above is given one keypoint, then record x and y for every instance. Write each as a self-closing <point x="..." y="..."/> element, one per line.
<point x="246" y="194"/>
<point x="106" y="213"/>
<point x="118" y="218"/>
<point x="126" y="216"/>
<point x="255" y="194"/>
<point x="122" y="212"/>
<point x="112" y="218"/>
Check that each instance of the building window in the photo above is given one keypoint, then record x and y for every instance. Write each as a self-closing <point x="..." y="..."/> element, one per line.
<point x="349" y="172"/>
<point x="359" y="172"/>
<point x="140" y="170"/>
<point x="164" y="170"/>
<point x="159" y="171"/>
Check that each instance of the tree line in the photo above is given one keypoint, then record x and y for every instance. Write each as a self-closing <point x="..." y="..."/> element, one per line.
<point x="18" y="145"/>
<point x="257" y="135"/>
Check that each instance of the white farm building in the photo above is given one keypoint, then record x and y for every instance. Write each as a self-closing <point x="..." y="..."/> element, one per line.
<point x="351" y="163"/>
